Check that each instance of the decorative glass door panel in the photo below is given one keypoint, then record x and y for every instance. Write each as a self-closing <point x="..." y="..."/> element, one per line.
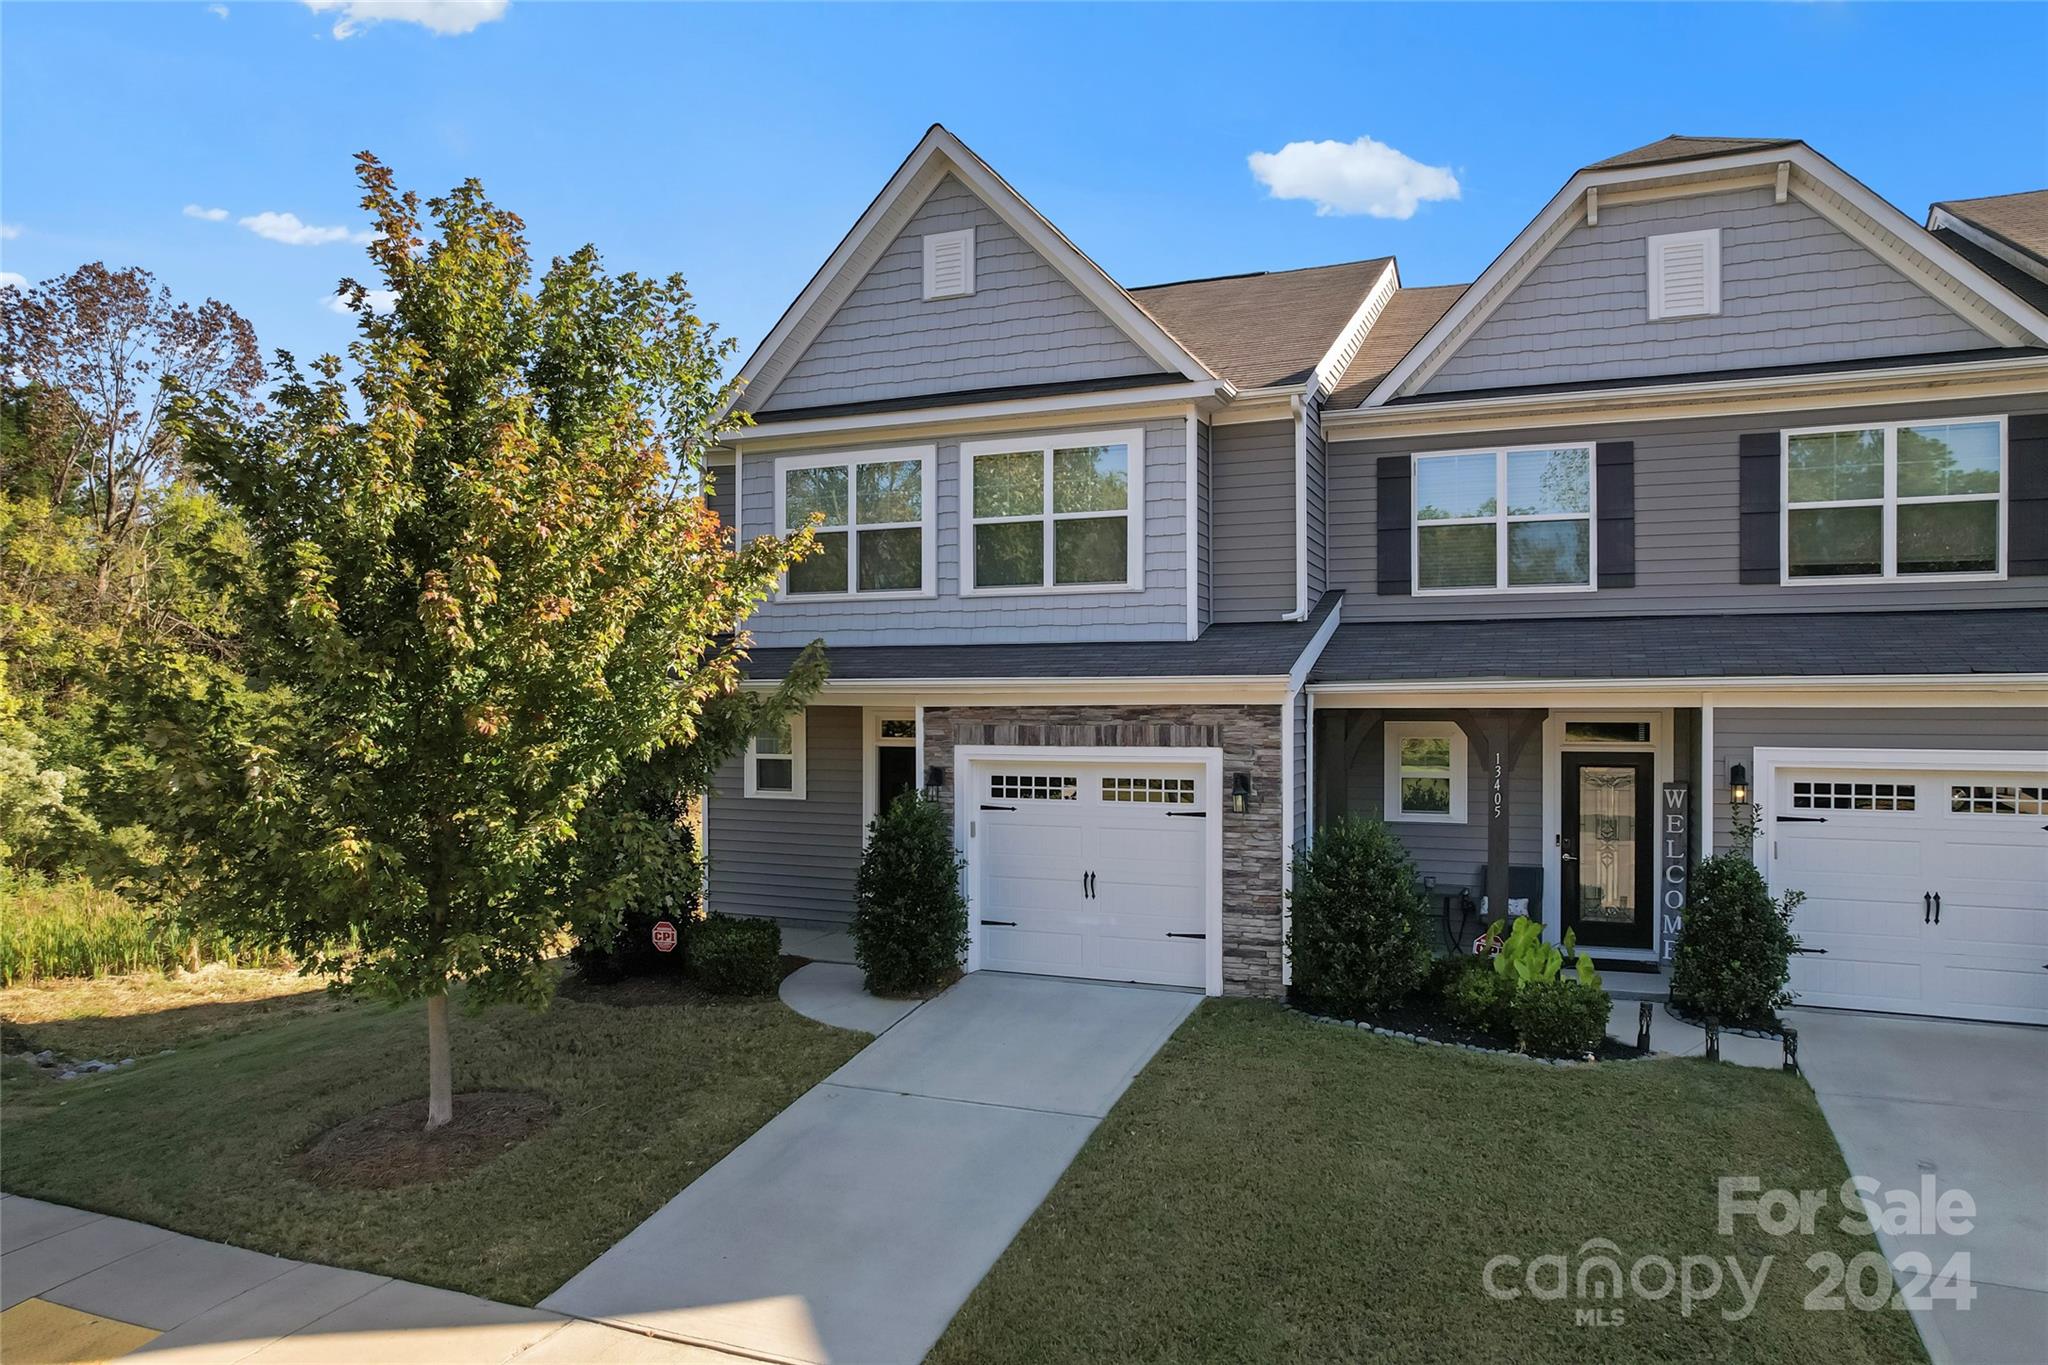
<point x="1606" y="849"/>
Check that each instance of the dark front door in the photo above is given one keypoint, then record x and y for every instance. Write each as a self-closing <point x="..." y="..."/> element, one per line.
<point x="895" y="774"/>
<point x="1607" y="849"/>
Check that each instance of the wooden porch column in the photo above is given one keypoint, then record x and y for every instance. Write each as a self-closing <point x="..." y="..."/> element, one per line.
<point x="1500" y="737"/>
<point x="1346" y="731"/>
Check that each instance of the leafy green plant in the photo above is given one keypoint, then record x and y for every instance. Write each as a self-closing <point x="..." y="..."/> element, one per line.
<point x="666" y="881"/>
<point x="1360" y="935"/>
<point x="1559" y="1016"/>
<point x="1735" y="951"/>
<point x="68" y="927"/>
<point x="730" y="956"/>
<point x="1478" y="997"/>
<point x="909" y="914"/>
<point x="1522" y="956"/>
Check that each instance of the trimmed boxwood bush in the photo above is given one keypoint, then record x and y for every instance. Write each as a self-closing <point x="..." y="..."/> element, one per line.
<point x="1561" y="1017"/>
<point x="1734" y="953"/>
<point x="909" y="914"/>
<point x="1360" y="938"/>
<point x="731" y="956"/>
<point x="1477" y="997"/>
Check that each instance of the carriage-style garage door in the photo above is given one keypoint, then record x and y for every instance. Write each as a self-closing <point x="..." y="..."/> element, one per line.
<point x="1926" y="890"/>
<point x="1092" y="869"/>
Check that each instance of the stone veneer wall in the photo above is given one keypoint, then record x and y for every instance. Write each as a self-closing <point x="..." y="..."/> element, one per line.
<point x="1254" y="844"/>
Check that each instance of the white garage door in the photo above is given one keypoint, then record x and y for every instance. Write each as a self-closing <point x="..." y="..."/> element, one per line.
<point x="1926" y="892"/>
<point x="1093" y="869"/>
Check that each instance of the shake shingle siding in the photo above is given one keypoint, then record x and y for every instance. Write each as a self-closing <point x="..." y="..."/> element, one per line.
<point x="1795" y="289"/>
<point x="792" y="859"/>
<point x="1024" y="323"/>
<point x="1157" y="612"/>
<point x="1253" y="478"/>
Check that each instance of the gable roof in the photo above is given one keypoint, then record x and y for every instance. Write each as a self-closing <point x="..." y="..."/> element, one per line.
<point x="936" y="155"/>
<point x="2020" y="221"/>
<point x="1682" y="165"/>
<point x="1679" y="147"/>
<point x="1409" y="314"/>
<point x="1267" y="329"/>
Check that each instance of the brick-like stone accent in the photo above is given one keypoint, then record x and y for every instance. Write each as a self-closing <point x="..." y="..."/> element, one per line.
<point x="1254" y="844"/>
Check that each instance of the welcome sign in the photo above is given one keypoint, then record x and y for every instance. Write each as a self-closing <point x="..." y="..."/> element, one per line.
<point x="1674" y="845"/>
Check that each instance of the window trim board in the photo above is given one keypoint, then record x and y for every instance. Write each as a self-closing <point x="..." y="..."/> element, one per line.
<point x="1501" y="519"/>
<point x="1397" y="731"/>
<point x="799" y="770"/>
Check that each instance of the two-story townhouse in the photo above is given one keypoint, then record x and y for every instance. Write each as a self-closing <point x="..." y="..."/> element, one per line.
<point x="1720" y="498"/>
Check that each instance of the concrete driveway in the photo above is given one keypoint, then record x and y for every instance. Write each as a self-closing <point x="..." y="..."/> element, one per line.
<point x="851" y="1227"/>
<point x="1968" y="1105"/>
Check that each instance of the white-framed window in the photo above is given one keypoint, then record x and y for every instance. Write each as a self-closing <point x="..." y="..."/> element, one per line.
<point x="874" y="528"/>
<point x="1513" y="520"/>
<point x="1057" y="513"/>
<point x="775" y="761"/>
<point x="1885" y="500"/>
<point x="1425" y="771"/>
<point x="1685" y="274"/>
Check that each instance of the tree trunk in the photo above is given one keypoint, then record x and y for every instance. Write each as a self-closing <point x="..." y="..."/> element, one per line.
<point x="440" y="1096"/>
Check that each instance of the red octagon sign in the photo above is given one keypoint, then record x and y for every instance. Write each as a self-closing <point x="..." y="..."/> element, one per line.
<point x="664" y="937"/>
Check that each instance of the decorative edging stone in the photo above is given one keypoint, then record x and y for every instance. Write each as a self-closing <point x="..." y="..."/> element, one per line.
<point x="1361" y="1026"/>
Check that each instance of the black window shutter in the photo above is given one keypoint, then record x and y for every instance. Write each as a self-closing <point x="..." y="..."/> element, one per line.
<point x="2026" y="439"/>
<point x="1615" y="492"/>
<point x="1760" y="481"/>
<point x="1394" y="529"/>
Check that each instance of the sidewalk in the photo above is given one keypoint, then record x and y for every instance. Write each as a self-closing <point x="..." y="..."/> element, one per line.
<point x="78" y="1286"/>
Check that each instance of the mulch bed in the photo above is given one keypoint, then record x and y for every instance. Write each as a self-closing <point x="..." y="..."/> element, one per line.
<point x="390" y="1147"/>
<point x="635" y="991"/>
<point x="1428" y="1021"/>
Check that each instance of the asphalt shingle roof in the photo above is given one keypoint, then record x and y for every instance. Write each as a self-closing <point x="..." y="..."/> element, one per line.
<point x="1735" y="645"/>
<point x="2018" y="220"/>
<point x="1258" y="649"/>
<point x="1407" y="317"/>
<point x="1263" y="329"/>
<point x="1680" y="147"/>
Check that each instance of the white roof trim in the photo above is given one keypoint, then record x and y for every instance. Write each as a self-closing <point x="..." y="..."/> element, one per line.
<point x="937" y="155"/>
<point x="1830" y="191"/>
<point x="1345" y="348"/>
<point x="1939" y="217"/>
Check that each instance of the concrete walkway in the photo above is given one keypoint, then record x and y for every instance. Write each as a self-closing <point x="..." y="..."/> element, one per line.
<point x="1967" y="1105"/>
<point x="78" y="1286"/>
<point x="851" y="1227"/>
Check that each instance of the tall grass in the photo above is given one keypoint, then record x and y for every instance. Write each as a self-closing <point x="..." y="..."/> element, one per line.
<point x="72" y="928"/>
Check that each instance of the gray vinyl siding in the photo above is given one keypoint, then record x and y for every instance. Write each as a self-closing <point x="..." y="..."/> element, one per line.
<point x="1297" y="738"/>
<point x="1795" y="289"/>
<point x="1024" y="323"/>
<point x="1454" y="854"/>
<point x="1687" y="525"/>
<point x="1253" y="478"/>
<point x="718" y="480"/>
<point x="1157" y="612"/>
<point x="1739" y="732"/>
<point x="1318" y="501"/>
<point x="793" y="859"/>
<point x="1205" y="575"/>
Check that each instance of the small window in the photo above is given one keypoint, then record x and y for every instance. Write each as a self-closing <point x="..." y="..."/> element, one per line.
<point x="1992" y="799"/>
<point x="899" y="729"/>
<point x="1425" y="771"/>
<point x="1874" y="795"/>
<point x="1059" y="513"/>
<point x="1497" y="520"/>
<point x="1169" y="791"/>
<point x="869" y="513"/>
<point x="1685" y="274"/>
<point x="949" y="264"/>
<point x="1607" y="732"/>
<point x="1033" y="787"/>
<point x="1895" y="500"/>
<point x="775" y="762"/>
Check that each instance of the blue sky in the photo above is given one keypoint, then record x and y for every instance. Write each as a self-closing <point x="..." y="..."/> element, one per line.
<point x="737" y="144"/>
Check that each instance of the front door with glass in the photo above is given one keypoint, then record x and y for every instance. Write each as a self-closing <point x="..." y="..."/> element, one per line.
<point x="1607" y="849"/>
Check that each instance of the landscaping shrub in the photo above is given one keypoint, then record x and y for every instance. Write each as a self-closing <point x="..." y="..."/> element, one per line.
<point x="1561" y="1017"/>
<point x="1360" y="938"/>
<point x="1478" y="997"/>
<point x="663" y="853"/>
<point x="736" y="956"/>
<point x="1734" y="953"/>
<point x="909" y="915"/>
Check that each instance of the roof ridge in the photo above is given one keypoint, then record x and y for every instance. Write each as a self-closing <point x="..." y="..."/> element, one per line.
<point x="1256" y="274"/>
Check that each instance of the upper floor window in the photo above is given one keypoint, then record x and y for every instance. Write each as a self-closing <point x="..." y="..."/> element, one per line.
<point x="775" y="761"/>
<point x="1057" y="513"/>
<point x="1500" y="520"/>
<point x="1895" y="500"/>
<point x="872" y="530"/>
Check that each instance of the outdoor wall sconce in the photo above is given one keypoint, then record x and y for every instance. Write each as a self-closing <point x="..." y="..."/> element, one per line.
<point x="934" y="780"/>
<point x="1240" y="793"/>
<point x="1738" y="784"/>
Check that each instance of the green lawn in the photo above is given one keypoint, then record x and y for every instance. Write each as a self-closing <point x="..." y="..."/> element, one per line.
<point x="1273" y="1189"/>
<point x="644" y="1098"/>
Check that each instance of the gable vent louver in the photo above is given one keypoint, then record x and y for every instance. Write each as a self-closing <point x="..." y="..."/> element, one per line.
<point x="949" y="264"/>
<point x="1685" y="274"/>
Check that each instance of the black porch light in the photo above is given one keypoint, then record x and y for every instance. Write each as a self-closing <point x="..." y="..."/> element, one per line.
<point x="934" y="780"/>
<point x="1738" y="784"/>
<point x="1240" y="793"/>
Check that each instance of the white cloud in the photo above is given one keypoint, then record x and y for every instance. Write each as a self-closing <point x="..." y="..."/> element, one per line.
<point x="287" y="228"/>
<point x="10" y="280"/>
<point x="1352" y="177"/>
<point x="217" y="11"/>
<point x="204" y="214"/>
<point x="9" y="231"/>
<point x="380" y="301"/>
<point x="445" y="17"/>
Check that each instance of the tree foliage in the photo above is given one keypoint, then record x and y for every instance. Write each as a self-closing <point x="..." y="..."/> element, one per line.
<point x="481" y="584"/>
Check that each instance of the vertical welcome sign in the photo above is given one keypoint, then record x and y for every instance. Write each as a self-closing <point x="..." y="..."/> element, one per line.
<point x="1674" y="853"/>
